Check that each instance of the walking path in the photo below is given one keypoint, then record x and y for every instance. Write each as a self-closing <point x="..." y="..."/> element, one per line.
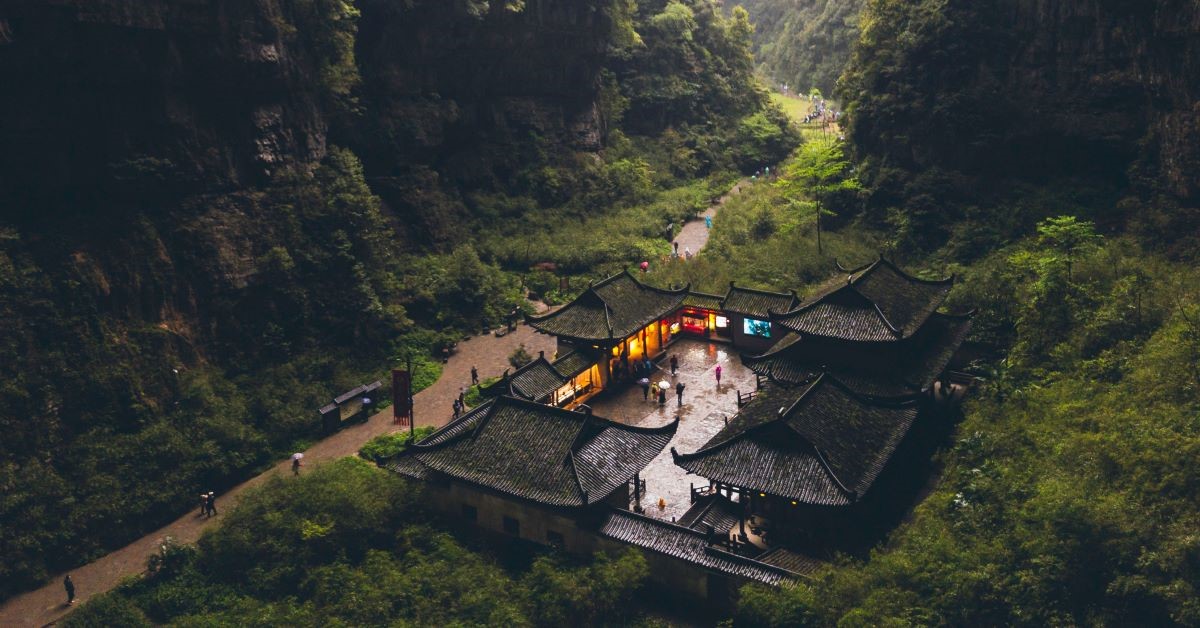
<point x="694" y="233"/>
<point x="432" y="406"/>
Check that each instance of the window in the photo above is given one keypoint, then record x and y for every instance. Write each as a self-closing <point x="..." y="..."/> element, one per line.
<point x="554" y="538"/>
<point x="512" y="526"/>
<point x="470" y="513"/>
<point x="755" y="327"/>
<point x="722" y="322"/>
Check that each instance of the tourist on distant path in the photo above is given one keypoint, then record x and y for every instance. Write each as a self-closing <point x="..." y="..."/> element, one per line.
<point x="445" y="355"/>
<point x="212" y="504"/>
<point x="718" y="376"/>
<point x="645" y="389"/>
<point x="462" y="395"/>
<point x="457" y="408"/>
<point x="674" y="364"/>
<point x="474" y="376"/>
<point x="676" y="245"/>
<point x="708" y="222"/>
<point x="295" y="466"/>
<point x="662" y="396"/>
<point x="679" y="392"/>
<point x="687" y="253"/>
<point x="203" y="504"/>
<point x="70" y="587"/>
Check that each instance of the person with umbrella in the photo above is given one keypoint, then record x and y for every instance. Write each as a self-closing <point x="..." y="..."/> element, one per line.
<point x="662" y="392"/>
<point x="645" y="384"/>
<point x="296" y="458"/>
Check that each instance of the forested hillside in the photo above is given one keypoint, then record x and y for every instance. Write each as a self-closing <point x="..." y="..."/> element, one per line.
<point x="219" y="214"/>
<point x="804" y="43"/>
<point x="960" y="107"/>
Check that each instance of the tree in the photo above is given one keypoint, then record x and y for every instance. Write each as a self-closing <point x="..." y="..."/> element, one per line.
<point x="1069" y="237"/>
<point x="821" y="169"/>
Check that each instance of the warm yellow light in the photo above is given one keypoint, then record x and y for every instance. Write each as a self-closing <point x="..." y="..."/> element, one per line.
<point x="793" y="502"/>
<point x="632" y="344"/>
<point x="762" y="494"/>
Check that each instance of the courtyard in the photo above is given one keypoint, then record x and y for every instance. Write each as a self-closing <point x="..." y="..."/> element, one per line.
<point x="705" y="408"/>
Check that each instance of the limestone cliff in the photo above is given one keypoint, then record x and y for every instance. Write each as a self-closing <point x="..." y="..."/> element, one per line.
<point x="971" y="94"/>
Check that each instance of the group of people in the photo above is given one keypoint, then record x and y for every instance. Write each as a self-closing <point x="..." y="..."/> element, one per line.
<point x="208" y="504"/>
<point x="687" y="252"/>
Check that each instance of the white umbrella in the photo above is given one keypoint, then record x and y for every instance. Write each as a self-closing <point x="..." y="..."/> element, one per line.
<point x="297" y="456"/>
<point x="664" y="385"/>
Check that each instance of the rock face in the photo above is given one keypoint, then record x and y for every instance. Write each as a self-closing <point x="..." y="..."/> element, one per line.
<point x="1099" y="89"/>
<point x="464" y="101"/>
<point x="118" y="99"/>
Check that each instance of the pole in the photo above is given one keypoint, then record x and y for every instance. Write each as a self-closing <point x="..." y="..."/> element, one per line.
<point x="412" y="413"/>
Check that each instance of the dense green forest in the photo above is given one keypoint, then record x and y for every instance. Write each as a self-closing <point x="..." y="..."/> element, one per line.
<point x="342" y="546"/>
<point x="1044" y="152"/>
<point x="804" y="44"/>
<point x="271" y="203"/>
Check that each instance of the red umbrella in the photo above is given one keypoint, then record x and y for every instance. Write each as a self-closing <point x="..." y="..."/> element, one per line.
<point x="645" y="266"/>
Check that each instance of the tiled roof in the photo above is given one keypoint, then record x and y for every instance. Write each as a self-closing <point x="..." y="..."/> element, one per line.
<point x="574" y="363"/>
<point x="877" y="303"/>
<point x="757" y="303"/>
<point x="794" y="562"/>
<point x="541" y="453"/>
<point x="612" y="309"/>
<point x="820" y="444"/>
<point x="536" y="380"/>
<point x="703" y="300"/>
<point x="686" y="544"/>
<point x="908" y="368"/>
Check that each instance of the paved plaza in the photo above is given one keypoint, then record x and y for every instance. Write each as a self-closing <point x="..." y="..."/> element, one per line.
<point x="703" y="413"/>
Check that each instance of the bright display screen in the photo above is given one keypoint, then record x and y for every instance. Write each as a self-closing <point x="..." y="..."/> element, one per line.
<point x="755" y="327"/>
<point x="722" y="322"/>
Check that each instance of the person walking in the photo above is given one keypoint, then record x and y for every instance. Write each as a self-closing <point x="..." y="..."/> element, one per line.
<point x="708" y="222"/>
<point x="674" y="364"/>
<point x="662" y="396"/>
<point x="474" y="376"/>
<point x="296" y="465"/>
<point x="679" y="392"/>
<point x="457" y="408"/>
<point x="687" y="253"/>
<point x="676" y="245"/>
<point x="69" y="585"/>
<point x="203" y="504"/>
<point x="462" y="395"/>
<point x="212" y="504"/>
<point x="718" y="372"/>
<point x="645" y="388"/>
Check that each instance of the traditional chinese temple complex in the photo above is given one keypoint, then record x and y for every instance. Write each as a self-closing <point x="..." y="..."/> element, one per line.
<point x="843" y="375"/>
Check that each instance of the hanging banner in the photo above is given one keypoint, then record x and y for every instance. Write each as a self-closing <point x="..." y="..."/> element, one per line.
<point x="401" y="395"/>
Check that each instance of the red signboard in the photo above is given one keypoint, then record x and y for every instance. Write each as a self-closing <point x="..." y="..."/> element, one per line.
<point x="401" y="395"/>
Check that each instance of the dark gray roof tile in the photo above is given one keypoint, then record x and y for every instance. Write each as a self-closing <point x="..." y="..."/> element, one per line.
<point x="612" y="309"/>
<point x="539" y="452"/>
<point x="757" y="303"/>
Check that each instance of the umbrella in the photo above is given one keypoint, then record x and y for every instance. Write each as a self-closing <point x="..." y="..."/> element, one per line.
<point x="297" y="456"/>
<point x="664" y="385"/>
<point x="644" y="381"/>
<point x="645" y="265"/>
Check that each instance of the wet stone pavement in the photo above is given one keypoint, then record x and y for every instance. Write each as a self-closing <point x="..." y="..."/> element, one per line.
<point x="703" y="413"/>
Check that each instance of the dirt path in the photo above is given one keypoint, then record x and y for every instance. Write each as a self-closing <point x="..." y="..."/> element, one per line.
<point x="694" y="233"/>
<point x="432" y="406"/>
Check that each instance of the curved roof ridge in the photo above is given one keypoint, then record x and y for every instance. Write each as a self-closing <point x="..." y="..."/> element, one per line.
<point x="883" y="317"/>
<point x="852" y="494"/>
<point x="900" y="271"/>
<point x="486" y="408"/>
<point x="842" y="269"/>
<point x="783" y="412"/>
<point x="672" y="291"/>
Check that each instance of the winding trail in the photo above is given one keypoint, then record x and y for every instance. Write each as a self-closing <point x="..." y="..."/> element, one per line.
<point x="432" y="407"/>
<point x="694" y="233"/>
